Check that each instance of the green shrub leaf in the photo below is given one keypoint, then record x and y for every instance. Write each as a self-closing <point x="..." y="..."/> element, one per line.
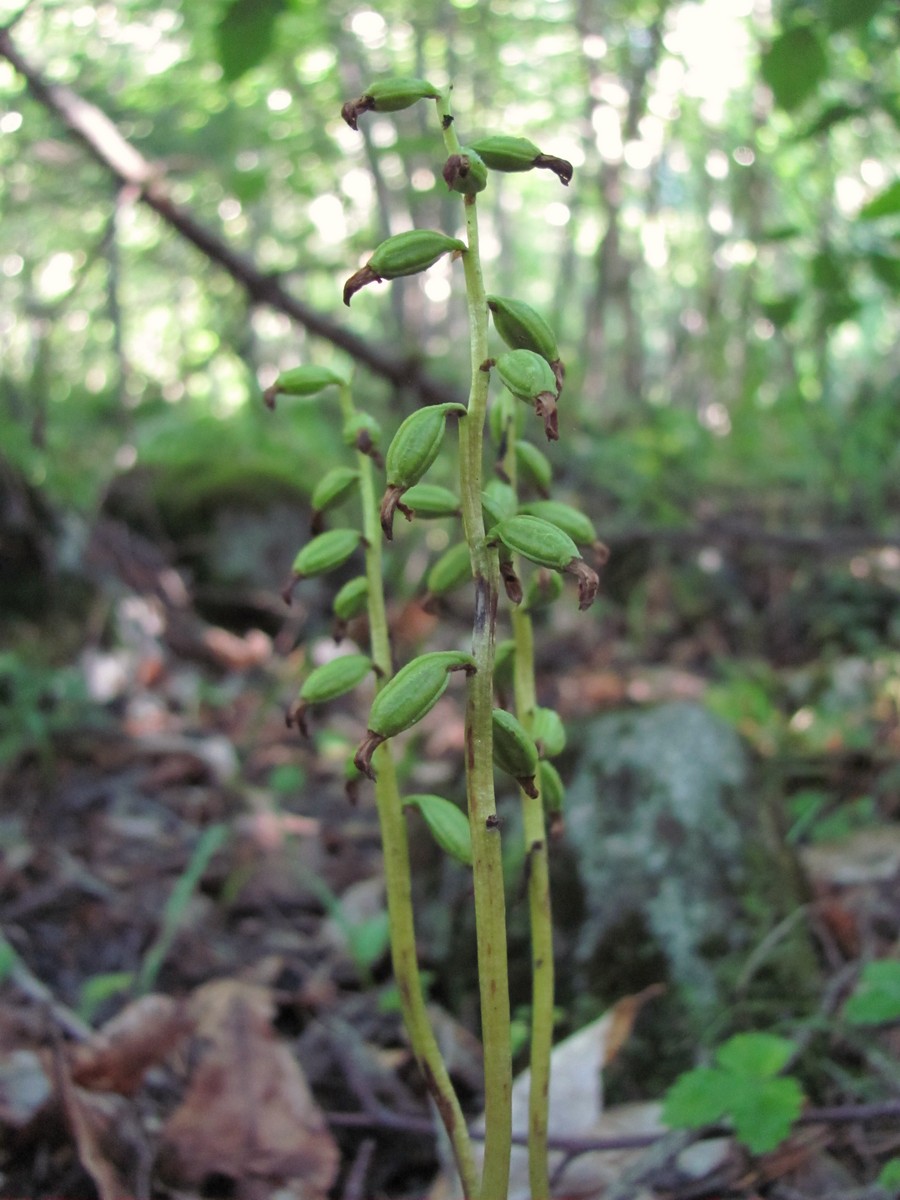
<point x="697" y="1098"/>
<point x="877" y="995"/>
<point x="794" y="66"/>
<point x="763" y="1111"/>
<point x="758" y="1055"/>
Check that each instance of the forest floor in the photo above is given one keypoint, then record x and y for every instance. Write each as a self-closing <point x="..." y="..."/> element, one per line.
<point x="195" y="990"/>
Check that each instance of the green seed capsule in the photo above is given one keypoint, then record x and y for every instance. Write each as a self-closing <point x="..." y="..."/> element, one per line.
<point x="465" y="172"/>
<point x="407" y="697"/>
<point x="553" y="794"/>
<point x="504" y="415"/>
<point x="431" y="500"/>
<point x="522" y="328"/>
<point x="543" y="588"/>
<point x="548" y="546"/>
<point x="403" y="254"/>
<point x="498" y="501"/>
<point x="413" y="449"/>
<point x="351" y="599"/>
<point x="564" y="517"/>
<point x="326" y="552"/>
<point x="526" y="374"/>
<point x="537" y="540"/>
<point x="501" y="152"/>
<point x="334" y="486"/>
<point x="362" y="432"/>
<point x="514" y="750"/>
<point x="530" y="378"/>
<point x="534" y="466"/>
<point x="388" y="95"/>
<point x="327" y="682"/>
<point x="301" y="381"/>
<point x="450" y="571"/>
<point x="548" y="732"/>
<point x="448" y="824"/>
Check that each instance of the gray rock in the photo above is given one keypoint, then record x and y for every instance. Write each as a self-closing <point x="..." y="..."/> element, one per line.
<point x="653" y="817"/>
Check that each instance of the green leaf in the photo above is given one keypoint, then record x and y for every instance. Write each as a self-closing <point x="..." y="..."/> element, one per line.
<point x="889" y="1178"/>
<point x="763" y="1111"/>
<point x="885" y="204"/>
<point x="886" y="267"/>
<point x="755" y="1054"/>
<point x="794" y="66"/>
<point x="369" y="939"/>
<point x="841" y="14"/>
<point x="780" y="309"/>
<point x="244" y="35"/>
<point x="697" y="1098"/>
<point x="877" y="995"/>
<point x="99" y="988"/>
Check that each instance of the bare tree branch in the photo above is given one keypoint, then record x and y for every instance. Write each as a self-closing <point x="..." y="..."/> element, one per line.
<point x="99" y="135"/>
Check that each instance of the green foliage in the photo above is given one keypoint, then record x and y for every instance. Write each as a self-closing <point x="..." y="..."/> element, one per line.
<point x="876" y="997"/>
<point x="245" y="35"/>
<point x="744" y="1088"/>
<point x="37" y="703"/>
<point x="889" y="1176"/>
<point x="209" y="843"/>
<point x="794" y="65"/>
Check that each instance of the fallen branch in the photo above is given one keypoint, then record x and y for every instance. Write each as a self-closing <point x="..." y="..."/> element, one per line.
<point x="94" y="129"/>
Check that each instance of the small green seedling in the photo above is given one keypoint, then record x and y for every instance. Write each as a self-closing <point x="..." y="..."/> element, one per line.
<point x="745" y="1088"/>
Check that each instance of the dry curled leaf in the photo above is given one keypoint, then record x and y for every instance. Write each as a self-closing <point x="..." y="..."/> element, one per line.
<point x="248" y="1113"/>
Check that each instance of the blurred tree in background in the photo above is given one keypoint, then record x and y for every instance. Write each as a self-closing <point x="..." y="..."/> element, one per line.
<point x="725" y="263"/>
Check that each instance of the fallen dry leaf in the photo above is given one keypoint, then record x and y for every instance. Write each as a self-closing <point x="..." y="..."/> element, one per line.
<point x="576" y="1111"/>
<point x="248" y="1113"/>
<point x="141" y="1035"/>
<point x="110" y="1145"/>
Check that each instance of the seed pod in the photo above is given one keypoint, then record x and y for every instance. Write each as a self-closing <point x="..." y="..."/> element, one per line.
<point x="553" y="794"/>
<point x="530" y="377"/>
<point x="564" y="517"/>
<point x="431" y="500"/>
<point x="450" y="571"/>
<point x="503" y="415"/>
<point x="388" y="95"/>
<point x="403" y="254"/>
<point x="498" y="501"/>
<point x="334" y="486"/>
<point x="544" y="544"/>
<point x="413" y="449"/>
<point x="548" y="732"/>
<point x="363" y="433"/>
<point x="535" y="466"/>
<point x="502" y="152"/>
<point x="514" y="750"/>
<point x="448" y="824"/>
<point x="301" y="381"/>
<point x="543" y="588"/>
<point x="465" y="172"/>
<point x="332" y="679"/>
<point x="407" y="697"/>
<point x="326" y="552"/>
<point x="522" y="328"/>
<point x="351" y="600"/>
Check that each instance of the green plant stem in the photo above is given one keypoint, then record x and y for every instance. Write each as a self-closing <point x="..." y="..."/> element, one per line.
<point x="541" y="921"/>
<point x="490" y="903"/>
<point x="398" y="882"/>
<point x="539" y="904"/>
